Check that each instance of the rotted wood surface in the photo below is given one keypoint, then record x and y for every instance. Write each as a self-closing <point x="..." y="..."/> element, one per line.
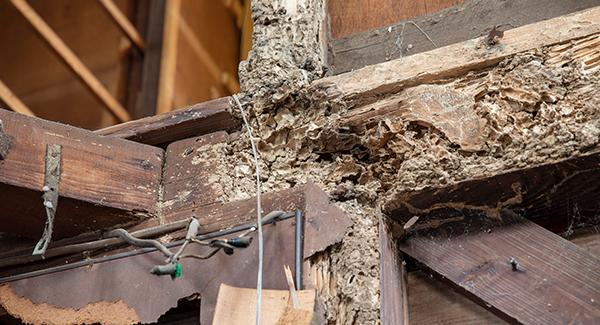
<point x="199" y="119"/>
<point x="470" y="19"/>
<point x="553" y="281"/>
<point x="104" y="181"/>
<point x="558" y="195"/>
<point x="368" y="84"/>
<point x="325" y="225"/>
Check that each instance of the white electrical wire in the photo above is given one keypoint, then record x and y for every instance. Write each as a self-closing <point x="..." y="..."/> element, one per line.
<point x="258" y="214"/>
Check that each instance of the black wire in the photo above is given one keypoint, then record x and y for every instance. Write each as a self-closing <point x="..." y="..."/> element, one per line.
<point x="136" y="252"/>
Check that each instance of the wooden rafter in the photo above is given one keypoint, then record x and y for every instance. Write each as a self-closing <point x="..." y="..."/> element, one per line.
<point x="513" y="267"/>
<point x="13" y="102"/>
<point x="71" y="60"/>
<point x="104" y="181"/>
<point x="123" y="23"/>
<point x="166" y="87"/>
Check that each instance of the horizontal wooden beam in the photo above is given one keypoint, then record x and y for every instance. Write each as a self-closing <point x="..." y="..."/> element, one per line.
<point x="513" y="267"/>
<point x="105" y="181"/>
<point x="195" y="120"/>
<point x="13" y="102"/>
<point x="471" y="19"/>
<point x="123" y="23"/>
<point x="368" y="84"/>
<point x="71" y="60"/>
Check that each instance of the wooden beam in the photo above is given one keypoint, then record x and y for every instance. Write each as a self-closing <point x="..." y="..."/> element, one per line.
<point x="123" y="23"/>
<point x="199" y="119"/>
<point x="70" y="59"/>
<point x="13" y="102"/>
<point x="513" y="267"/>
<point x="471" y="19"/>
<point x="369" y="83"/>
<point x="394" y="280"/>
<point x="166" y="88"/>
<point x="146" y="102"/>
<point x="105" y="181"/>
<point x="203" y="56"/>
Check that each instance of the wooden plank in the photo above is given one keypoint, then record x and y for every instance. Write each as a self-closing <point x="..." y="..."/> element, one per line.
<point x="70" y="59"/>
<point x="394" y="281"/>
<point x="105" y="181"/>
<point x="199" y="119"/>
<point x="166" y="90"/>
<point x="347" y="17"/>
<point x="238" y="306"/>
<point x="123" y="23"/>
<point x="369" y="83"/>
<point x="471" y="19"/>
<point x="13" y="102"/>
<point x="555" y="282"/>
<point x="559" y="195"/>
<point x="147" y="100"/>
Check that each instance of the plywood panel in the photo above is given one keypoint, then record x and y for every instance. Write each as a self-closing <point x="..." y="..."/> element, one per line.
<point x="347" y="17"/>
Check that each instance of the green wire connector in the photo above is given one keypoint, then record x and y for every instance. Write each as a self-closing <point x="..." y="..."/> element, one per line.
<point x="178" y="271"/>
<point x="172" y="269"/>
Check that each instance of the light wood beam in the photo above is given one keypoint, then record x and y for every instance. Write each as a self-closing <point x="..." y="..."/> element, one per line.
<point x="168" y="66"/>
<point x="13" y="101"/>
<point x="70" y="59"/>
<point x="123" y="23"/>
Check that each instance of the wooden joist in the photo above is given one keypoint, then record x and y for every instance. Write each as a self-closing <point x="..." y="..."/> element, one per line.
<point x="71" y="60"/>
<point x="471" y="19"/>
<point x="513" y="267"/>
<point x="369" y="83"/>
<point x="195" y="120"/>
<point x="105" y="181"/>
<point x="13" y="102"/>
<point x="123" y="23"/>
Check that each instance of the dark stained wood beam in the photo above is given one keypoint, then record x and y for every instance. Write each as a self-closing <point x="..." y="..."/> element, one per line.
<point x="471" y="19"/>
<point x="559" y="196"/>
<point x="394" y="280"/>
<point x="104" y="182"/>
<point x="552" y="280"/>
<point x="195" y="120"/>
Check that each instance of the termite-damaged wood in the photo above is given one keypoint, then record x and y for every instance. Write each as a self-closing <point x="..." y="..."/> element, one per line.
<point x="473" y="18"/>
<point x="325" y="225"/>
<point x="559" y="195"/>
<point x="513" y="267"/>
<point x="4" y="142"/>
<point x="104" y="181"/>
<point x="195" y="120"/>
<point x="368" y="84"/>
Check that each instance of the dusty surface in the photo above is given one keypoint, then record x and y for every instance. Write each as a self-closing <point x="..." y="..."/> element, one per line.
<point x="30" y="313"/>
<point x="533" y="108"/>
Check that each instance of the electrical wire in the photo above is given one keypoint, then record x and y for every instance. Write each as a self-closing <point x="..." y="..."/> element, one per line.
<point x="259" y="276"/>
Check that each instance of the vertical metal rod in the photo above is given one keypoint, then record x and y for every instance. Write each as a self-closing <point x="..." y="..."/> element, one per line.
<point x="299" y="248"/>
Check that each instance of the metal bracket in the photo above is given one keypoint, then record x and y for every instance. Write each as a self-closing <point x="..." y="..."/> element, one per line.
<point x="51" y="183"/>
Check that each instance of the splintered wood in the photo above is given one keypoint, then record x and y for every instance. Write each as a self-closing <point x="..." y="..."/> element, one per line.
<point x="238" y="306"/>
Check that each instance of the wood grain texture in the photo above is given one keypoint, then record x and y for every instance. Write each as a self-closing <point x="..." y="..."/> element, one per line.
<point x="123" y="23"/>
<point x="347" y="17"/>
<point x="556" y="281"/>
<point x="367" y="84"/>
<point x="96" y="170"/>
<point x="71" y="60"/>
<point x="471" y="19"/>
<point x="195" y="120"/>
<point x="394" y="281"/>
<point x="166" y="90"/>
<point x="13" y="102"/>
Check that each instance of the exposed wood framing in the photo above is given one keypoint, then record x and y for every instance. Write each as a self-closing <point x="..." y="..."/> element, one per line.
<point x="71" y="60"/>
<point x="166" y="89"/>
<point x="195" y="120"/>
<point x="394" y="280"/>
<point x="203" y="56"/>
<point x="550" y="280"/>
<point x="370" y="83"/>
<point x="105" y="181"/>
<point x="13" y="102"/>
<point x="471" y="19"/>
<point x="123" y="23"/>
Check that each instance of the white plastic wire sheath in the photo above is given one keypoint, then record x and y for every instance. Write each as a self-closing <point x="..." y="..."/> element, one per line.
<point x="258" y="213"/>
